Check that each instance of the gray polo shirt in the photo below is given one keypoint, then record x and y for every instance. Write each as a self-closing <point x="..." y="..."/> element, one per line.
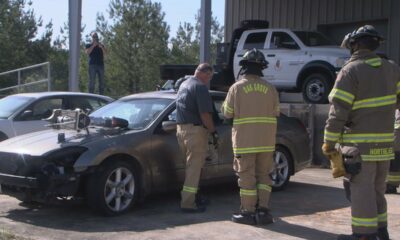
<point x="193" y="98"/>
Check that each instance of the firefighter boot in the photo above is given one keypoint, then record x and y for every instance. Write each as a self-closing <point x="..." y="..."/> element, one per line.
<point x="391" y="189"/>
<point x="201" y="200"/>
<point x="263" y="217"/>
<point x="383" y="233"/>
<point x="358" y="237"/>
<point x="244" y="217"/>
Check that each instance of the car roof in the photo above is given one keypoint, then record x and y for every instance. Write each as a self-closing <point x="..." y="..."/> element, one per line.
<point x="58" y="93"/>
<point x="168" y="94"/>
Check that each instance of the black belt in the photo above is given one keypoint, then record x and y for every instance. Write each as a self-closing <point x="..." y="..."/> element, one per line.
<point x="194" y="124"/>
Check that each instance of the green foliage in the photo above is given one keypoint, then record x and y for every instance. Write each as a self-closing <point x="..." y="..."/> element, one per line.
<point x="20" y="46"/>
<point x="18" y="29"/>
<point x="136" y="38"/>
<point x="186" y="45"/>
<point x="136" y="42"/>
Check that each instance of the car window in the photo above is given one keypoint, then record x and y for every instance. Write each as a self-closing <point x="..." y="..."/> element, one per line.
<point x="172" y="116"/>
<point x="282" y="40"/>
<point x="9" y="105"/>
<point x="96" y="103"/>
<point x="217" y="114"/>
<point x="44" y="108"/>
<point x="138" y="112"/>
<point x="255" y="40"/>
<point x="88" y="104"/>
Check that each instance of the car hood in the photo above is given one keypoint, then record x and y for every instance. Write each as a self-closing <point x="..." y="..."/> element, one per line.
<point x="41" y="142"/>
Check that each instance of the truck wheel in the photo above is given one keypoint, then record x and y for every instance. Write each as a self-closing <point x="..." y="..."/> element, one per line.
<point x="316" y="88"/>
<point x="112" y="189"/>
<point x="282" y="169"/>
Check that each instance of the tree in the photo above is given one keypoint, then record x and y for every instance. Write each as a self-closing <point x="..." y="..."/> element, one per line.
<point x="18" y="30"/>
<point x="186" y="45"/>
<point x="19" y="44"/>
<point x="136" y="42"/>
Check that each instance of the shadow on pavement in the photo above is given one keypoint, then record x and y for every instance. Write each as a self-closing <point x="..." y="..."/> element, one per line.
<point x="300" y="231"/>
<point x="162" y="211"/>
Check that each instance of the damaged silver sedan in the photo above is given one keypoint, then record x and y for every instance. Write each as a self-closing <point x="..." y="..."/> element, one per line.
<point x="124" y="151"/>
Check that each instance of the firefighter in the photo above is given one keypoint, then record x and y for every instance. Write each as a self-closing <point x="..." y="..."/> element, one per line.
<point x="393" y="179"/>
<point x="363" y="103"/>
<point x="194" y="124"/>
<point x="253" y="104"/>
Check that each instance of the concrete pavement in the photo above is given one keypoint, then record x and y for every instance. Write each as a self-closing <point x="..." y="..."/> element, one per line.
<point x="313" y="207"/>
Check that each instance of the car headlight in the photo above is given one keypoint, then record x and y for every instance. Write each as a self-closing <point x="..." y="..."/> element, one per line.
<point x="66" y="157"/>
<point x="341" y="61"/>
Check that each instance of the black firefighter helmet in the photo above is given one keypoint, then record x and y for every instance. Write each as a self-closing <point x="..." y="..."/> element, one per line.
<point x="253" y="62"/>
<point x="360" y="33"/>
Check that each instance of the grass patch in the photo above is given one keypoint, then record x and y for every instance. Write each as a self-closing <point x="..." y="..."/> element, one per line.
<point x="6" y="235"/>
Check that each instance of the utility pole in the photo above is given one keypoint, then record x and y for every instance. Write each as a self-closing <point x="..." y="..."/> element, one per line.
<point x="205" y="30"/>
<point x="74" y="20"/>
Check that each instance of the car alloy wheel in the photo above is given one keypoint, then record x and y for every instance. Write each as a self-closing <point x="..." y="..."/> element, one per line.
<point x="280" y="174"/>
<point x="119" y="189"/>
<point x="112" y="189"/>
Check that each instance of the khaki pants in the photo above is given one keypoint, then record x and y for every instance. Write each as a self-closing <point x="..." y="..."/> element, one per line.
<point x="193" y="140"/>
<point x="368" y="203"/>
<point x="253" y="170"/>
<point x="394" y="171"/>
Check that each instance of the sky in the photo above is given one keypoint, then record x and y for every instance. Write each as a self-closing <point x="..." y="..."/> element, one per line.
<point x="176" y="11"/>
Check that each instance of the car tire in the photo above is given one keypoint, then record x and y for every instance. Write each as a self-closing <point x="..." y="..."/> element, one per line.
<point x="282" y="168"/>
<point x="3" y="136"/>
<point x="316" y="88"/>
<point x="112" y="189"/>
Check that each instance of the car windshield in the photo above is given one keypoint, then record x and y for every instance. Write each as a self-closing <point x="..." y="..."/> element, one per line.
<point x="313" y="39"/>
<point x="9" y="105"/>
<point x="138" y="112"/>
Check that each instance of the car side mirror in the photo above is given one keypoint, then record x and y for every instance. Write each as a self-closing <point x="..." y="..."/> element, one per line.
<point x="168" y="126"/>
<point x="116" y="122"/>
<point x="26" y="114"/>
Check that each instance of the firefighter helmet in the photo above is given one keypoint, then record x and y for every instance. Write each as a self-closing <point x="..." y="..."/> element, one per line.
<point x="364" y="31"/>
<point x="254" y="57"/>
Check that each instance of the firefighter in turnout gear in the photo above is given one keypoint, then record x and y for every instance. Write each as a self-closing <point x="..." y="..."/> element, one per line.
<point x="253" y="104"/>
<point x="363" y="103"/>
<point x="393" y="179"/>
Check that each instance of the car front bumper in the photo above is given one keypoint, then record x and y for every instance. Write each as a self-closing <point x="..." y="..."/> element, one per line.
<point x="18" y="181"/>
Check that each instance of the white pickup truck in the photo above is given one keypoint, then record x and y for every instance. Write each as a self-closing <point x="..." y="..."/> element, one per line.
<point x="299" y="61"/>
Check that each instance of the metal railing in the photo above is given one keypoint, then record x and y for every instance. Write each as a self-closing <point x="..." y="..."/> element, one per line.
<point x="21" y="85"/>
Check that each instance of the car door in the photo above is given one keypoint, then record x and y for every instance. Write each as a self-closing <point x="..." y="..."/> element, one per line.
<point x="222" y="165"/>
<point x="285" y="59"/>
<point x="169" y="165"/>
<point x="31" y="118"/>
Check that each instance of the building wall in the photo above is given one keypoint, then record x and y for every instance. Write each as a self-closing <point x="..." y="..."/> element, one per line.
<point x="333" y="17"/>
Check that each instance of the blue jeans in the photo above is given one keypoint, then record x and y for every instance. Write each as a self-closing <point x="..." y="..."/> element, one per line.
<point x="93" y="70"/>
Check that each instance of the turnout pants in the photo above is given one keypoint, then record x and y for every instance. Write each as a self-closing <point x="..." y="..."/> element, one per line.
<point x="394" y="171"/>
<point x="253" y="170"/>
<point x="368" y="203"/>
<point x="193" y="141"/>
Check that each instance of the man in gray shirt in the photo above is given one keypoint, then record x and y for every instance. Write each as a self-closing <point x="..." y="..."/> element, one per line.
<point x="194" y="118"/>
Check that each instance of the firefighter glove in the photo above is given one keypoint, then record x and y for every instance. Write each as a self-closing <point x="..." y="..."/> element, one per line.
<point x="336" y="160"/>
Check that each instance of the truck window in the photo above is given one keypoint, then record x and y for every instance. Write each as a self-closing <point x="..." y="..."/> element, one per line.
<point x="313" y="39"/>
<point x="282" y="40"/>
<point x="255" y="40"/>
